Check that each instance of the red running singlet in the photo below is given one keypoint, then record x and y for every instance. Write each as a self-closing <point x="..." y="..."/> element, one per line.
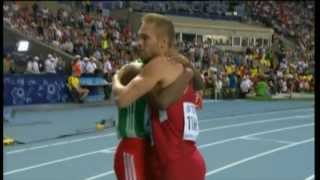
<point x="174" y="154"/>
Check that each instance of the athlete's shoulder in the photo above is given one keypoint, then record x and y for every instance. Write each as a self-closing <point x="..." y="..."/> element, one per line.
<point x="180" y="58"/>
<point x="179" y="55"/>
<point x="156" y="63"/>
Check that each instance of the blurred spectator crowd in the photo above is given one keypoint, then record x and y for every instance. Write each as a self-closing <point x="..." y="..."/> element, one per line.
<point x="76" y="33"/>
<point x="234" y="75"/>
<point x="103" y="45"/>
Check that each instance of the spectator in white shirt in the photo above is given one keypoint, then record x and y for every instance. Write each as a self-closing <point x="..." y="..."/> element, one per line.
<point x="218" y="87"/>
<point x="58" y="33"/>
<point x="201" y="52"/>
<point x="99" y="66"/>
<point x="97" y="55"/>
<point x="107" y="68"/>
<point x="91" y="66"/>
<point x="107" y="71"/>
<point x="50" y="64"/>
<point x="283" y="84"/>
<point x="5" y="8"/>
<point x="83" y="65"/>
<point x="55" y="59"/>
<point x="33" y="66"/>
<point x="56" y="43"/>
<point x="279" y="74"/>
<point x="245" y="86"/>
<point x="65" y="16"/>
<point x="68" y="46"/>
<point x="45" y="12"/>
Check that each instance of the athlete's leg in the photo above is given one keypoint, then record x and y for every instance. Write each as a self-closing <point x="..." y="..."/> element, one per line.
<point x="129" y="162"/>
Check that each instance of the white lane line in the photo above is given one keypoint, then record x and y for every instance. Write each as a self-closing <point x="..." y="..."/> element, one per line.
<point x="255" y="114"/>
<point x="254" y="134"/>
<point x="224" y="141"/>
<point x="212" y="100"/>
<point x="113" y="134"/>
<point x="258" y="156"/>
<point x="255" y="122"/>
<point x="266" y="139"/>
<point x="54" y="162"/>
<point x="107" y="151"/>
<point x="59" y="143"/>
<point x="310" y="177"/>
<point x="222" y="100"/>
<point x="100" y="175"/>
<point x="110" y="148"/>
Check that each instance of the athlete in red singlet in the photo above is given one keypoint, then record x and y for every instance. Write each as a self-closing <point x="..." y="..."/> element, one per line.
<point x="133" y="125"/>
<point x="175" y="149"/>
<point x="175" y="155"/>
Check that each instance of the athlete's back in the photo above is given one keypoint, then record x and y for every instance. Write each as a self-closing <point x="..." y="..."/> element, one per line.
<point x="174" y="133"/>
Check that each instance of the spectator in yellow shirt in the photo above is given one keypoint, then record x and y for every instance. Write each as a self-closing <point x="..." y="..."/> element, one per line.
<point x="77" y="92"/>
<point x="254" y="71"/>
<point x="229" y="68"/>
<point x="8" y="64"/>
<point x="265" y="62"/>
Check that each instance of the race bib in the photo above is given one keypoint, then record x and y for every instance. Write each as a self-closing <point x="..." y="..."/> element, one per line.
<point x="191" y="127"/>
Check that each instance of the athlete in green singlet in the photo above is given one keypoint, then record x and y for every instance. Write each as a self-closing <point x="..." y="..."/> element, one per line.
<point x="133" y="125"/>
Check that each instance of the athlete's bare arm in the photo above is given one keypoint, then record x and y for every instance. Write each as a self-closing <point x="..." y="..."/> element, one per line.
<point x="152" y="74"/>
<point x="197" y="80"/>
<point x="162" y="99"/>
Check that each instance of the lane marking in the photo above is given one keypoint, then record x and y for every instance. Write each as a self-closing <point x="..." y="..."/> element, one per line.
<point x="266" y="139"/>
<point x="54" y="162"/>
<point x="99" y="151"/>
<point x="258" y="156"/>
<point x="254" y="134"/>
<point x="114" y="134"/>
<point x="220" y="142"/>
<point x="100" y="175"/>
<point x="213" y="101"/>
<point x="255" y="114"/>
<point x="106" y="151"/>
<point x="59" y="143"/>
<point x="255" y="122"/>
<point x="310" y="177"/>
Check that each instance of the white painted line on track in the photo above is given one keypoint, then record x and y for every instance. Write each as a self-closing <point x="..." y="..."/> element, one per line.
<point x="250" y="138"/>
<point x="53" y="162"/>
<point x="212" y="100"/>
<point x="255" y="122"/>
<point x="218" y="142"/>
<point x="254" y="134"/>
<point x="258" y="156"/>
<point x="107" y="151"/>
<point x="60" y="143"/>
<point x="100" y="175"/>
<point x="114" y="134"/>
<point x="310" y="177"/>
<point x="253" y="115"/>
<point x="110" y="148"/>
